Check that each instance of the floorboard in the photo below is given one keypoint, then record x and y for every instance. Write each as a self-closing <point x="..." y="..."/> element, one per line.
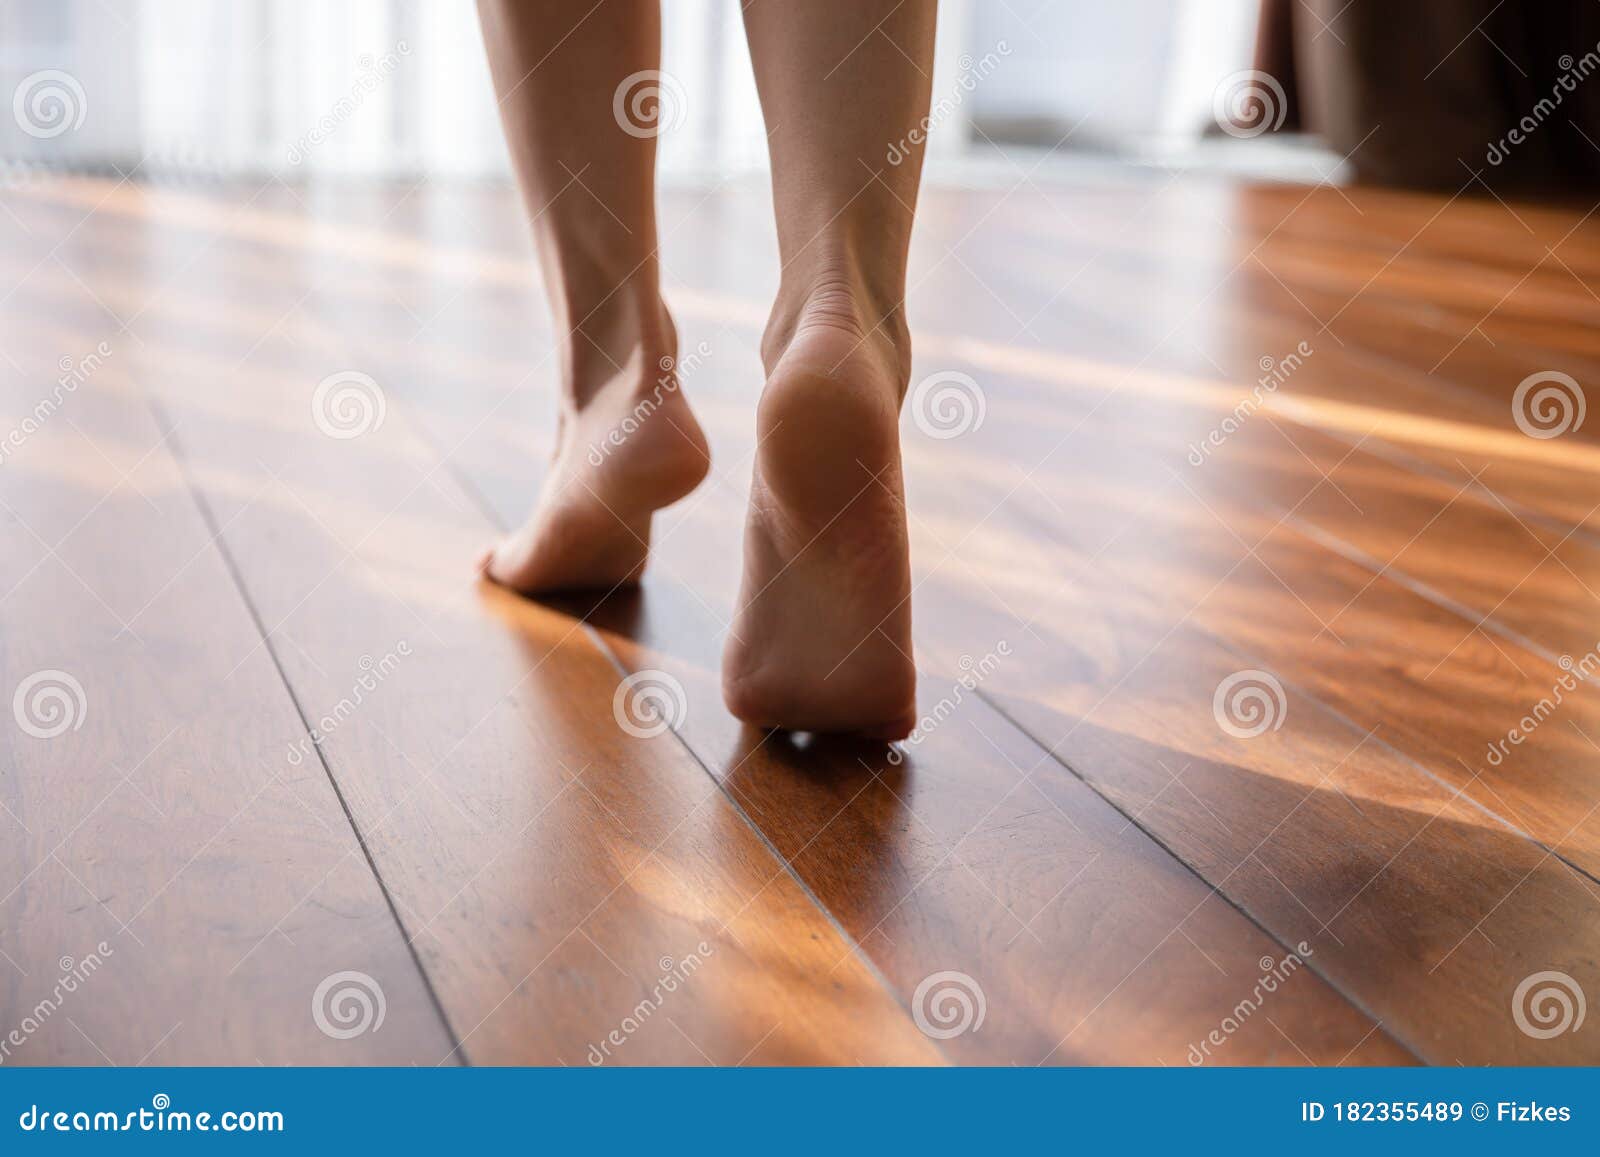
<point x="548" y="868"/>
<point x="1005" y="901"/>
<point x="1075" y="832"/>
<point x="172" y="889"/>
<point x="1091" y="943"/>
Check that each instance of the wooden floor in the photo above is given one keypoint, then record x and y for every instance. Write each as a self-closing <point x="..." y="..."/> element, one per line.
<point x="1086" y="842"/>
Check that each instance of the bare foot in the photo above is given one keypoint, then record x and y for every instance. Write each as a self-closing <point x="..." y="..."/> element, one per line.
<point x="821" y="640"/>
<point x="631" y="449"/>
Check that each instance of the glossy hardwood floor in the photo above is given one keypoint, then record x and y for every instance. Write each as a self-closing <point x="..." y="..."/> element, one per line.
<point x="1257" y="606"/>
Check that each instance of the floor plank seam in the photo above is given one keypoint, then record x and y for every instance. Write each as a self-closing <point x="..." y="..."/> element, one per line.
<point x="1381" y="571"/>
<point x="1380" y="447"/>
<point x="1423" y="591"/>
<point x="1327" y="708"/>
<point x="787" y="866"/>
<point x="1454" y="587"/>
<point x="203" y="506"/>
<point x="1054" y="757"/>
<point x="481" y="500"/>
<point x="470" y="488"/>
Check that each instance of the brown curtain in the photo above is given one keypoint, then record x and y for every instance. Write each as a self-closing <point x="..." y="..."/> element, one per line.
<point x="1426" y="92"/>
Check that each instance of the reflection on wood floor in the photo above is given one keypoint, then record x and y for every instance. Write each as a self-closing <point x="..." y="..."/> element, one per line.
<point x="1256" y="612"/>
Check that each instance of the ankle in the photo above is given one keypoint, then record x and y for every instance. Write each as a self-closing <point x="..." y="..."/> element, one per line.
<point x="629" y="342"/>
<point x="843" y="297"/>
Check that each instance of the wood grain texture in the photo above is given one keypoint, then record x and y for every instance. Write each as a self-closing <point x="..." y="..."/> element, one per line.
<point x="172" y="888"/>
<point x="1100" y="499"/>
<point x="1111" y="493"/>
<point x="1006" y="900"/>
<point x="1330" y="530"/>
<point x="1016" y="919"/>
<point x="1075" y="832"/>
<point x="979" y="853"/>
<point x="576" y="893"/>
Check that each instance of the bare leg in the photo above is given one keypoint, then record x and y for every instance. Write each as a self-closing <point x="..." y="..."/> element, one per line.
<point x="628" y="444"/>
<point x="822" y="636"/>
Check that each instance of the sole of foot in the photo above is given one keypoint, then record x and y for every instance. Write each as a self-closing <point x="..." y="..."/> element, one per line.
<point x="633" y="449"/>
<point x="821" y="639"/>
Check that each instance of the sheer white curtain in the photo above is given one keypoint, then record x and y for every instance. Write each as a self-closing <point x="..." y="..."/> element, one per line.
<point x="306" y="87"/>
<point x="400" y="87"/>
